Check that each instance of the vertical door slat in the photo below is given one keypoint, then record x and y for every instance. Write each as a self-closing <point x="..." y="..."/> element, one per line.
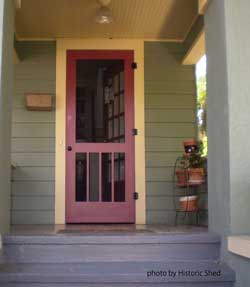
<point x="113" y="176"/>
<point x="100" y="177"/>
<point x="87" y="179"/>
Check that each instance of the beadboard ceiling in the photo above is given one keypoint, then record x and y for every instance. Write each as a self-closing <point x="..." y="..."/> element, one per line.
<point x="148" y="19"/>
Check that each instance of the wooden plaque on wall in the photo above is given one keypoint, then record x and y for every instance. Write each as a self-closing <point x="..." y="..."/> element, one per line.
<point x="39" y="102"/>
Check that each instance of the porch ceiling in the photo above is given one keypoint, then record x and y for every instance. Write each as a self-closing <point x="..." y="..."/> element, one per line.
<point x="148" y="19"/>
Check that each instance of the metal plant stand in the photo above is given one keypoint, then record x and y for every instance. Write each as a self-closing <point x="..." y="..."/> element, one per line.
<point x="187" y="190"/>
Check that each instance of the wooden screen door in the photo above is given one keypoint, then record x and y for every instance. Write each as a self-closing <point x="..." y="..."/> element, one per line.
<point x="100" y="144"/>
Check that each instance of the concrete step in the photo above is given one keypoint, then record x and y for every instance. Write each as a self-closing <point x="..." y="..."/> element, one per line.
<point x="110" y="248"/>
<point x="137" y="274"/>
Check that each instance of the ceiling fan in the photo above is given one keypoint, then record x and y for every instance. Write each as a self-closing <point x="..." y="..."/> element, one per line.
<point x="104" y="14"/>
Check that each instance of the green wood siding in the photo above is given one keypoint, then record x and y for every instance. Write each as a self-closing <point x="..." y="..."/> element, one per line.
<point x="33" y="137"/>
<point x="169" y="119"/>
<point x="7" y="12"/>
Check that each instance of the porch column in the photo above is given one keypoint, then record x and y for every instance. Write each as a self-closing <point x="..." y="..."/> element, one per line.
<point x="227" y="43"/>
<point x="6" y="87"/>
<point x="227" y="24"/>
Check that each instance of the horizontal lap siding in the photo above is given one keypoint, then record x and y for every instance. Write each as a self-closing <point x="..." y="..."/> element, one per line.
<point x="33" y="137"/>
<point x="169" y="119"/>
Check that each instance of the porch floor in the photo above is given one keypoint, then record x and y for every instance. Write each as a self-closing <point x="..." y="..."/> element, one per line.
<point x="101" y="228"/>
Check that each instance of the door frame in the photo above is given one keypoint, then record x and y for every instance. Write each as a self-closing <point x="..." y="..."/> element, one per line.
<point x="73" y="209"/>
<point x="62" y="45"/>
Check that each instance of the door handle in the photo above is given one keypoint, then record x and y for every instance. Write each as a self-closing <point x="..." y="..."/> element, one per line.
<point x="69" y="148"/>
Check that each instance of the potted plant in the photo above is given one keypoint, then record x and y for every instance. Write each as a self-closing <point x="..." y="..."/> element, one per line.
<point x="189" y="203"/>
<point x="196" y="172"/>
<point x="191" y="171"/>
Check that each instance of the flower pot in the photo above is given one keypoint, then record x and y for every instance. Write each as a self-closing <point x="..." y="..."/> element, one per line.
<point x="195" y="176"/>
<point x="190" y="146"/>
<point x="189" y="203"/>
<point x="182" y="177"/>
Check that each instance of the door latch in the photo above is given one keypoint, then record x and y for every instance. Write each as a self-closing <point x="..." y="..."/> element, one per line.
<point x="134" y="132"/>
<point x="136" y="195"/>
<point x="134" y="65"/>
<point x="69" y="148"/>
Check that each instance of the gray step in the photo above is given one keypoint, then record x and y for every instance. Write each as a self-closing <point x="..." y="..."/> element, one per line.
<point x="108" y="248"/>
<point x="203" y="284"/>
<point x="118" y="273"/>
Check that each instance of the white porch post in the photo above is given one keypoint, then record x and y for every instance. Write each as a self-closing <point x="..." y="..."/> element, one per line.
<point x="6" y="88"/>
<point x="227" y="25"/>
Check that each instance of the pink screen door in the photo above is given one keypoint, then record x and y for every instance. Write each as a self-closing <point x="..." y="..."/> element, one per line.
<point x="100" y="144"/>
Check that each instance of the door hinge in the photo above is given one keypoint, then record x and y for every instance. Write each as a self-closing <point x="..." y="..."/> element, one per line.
<point x="134" y="132"/>
<point x="134" y="65"/>
<point x="136" y="195"/>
